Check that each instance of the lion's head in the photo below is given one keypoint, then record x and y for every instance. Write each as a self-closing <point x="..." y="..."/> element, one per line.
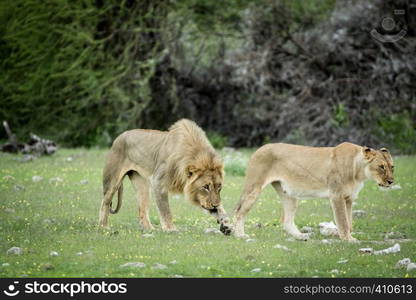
<point x="379" y="166"/>
<point x="204" y="182"/>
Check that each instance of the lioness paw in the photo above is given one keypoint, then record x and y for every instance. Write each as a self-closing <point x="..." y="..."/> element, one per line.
<point x="226" y="229"/>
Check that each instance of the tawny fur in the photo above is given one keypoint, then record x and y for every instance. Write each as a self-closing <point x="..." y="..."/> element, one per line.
<point x="180" y="160"/>
<point x="299" y="172"/>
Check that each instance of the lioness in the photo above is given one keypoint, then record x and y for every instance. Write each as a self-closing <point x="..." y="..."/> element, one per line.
<point x="180" y="160"/>
<point x="298" y="172"/>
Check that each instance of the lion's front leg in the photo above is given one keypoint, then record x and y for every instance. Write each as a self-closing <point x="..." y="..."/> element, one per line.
<point x="222" y="218"/>
<point x="339" y="207"/>
<point x="165" y="215"/>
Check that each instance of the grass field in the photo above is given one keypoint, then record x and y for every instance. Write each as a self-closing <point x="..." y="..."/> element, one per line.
<point x="61" y="215"/>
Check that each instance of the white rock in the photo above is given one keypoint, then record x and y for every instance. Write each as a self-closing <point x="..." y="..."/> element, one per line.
<point x="343" y="261"/>
<point x="403" y="263"/>
<point x="212" y="230"/>
<point x="306" y="229"/>
<point x="278" y="246"/>
<point x="5" y="265"/>
<point x="359" y="213"/>
<point x="158" y="266"/>
<point x="177" y="276"/>
<point x="394" y="249"/>
<point x="37" y="178"/>
<point x="411" y="267"/>
<point x="55" y="179"/>
<point x="325" y="241"/>
<point x="173" y="262"/>
<point x="250" y="240"/>
<point x="84" y="181"/>
<point x="334" y="271"/>
<point x="79" y="253"/>
<point x="133" y="265"/>
<point x="53" y="253"/>
<point x="147" y="235"/>
<point x="15" y="251"/>
<point x="255" y="270"/>
<point x="19" y="187"/>
<point x="328" y="228"/>
<point x="366" y="250"/>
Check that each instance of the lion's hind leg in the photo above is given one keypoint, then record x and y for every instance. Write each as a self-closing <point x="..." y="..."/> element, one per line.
<point x="142" y="187"/>
<point x="290" y="205"/>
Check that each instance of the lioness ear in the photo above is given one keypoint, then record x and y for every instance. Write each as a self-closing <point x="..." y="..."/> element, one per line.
<point x="368" y="153"/>
<point x="385" y="150"/>
<point x="190" y="170"/>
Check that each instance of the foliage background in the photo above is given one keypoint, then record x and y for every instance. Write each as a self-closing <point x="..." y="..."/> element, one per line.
<point x="249" y="72"/>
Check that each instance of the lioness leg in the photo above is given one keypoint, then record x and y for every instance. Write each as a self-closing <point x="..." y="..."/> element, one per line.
<point x="289" y="204"/>
<point x="247" y="200"/>
<point x="339" y="207"/>
<point x="141" y="186"/>
<point x="348" y="205"/>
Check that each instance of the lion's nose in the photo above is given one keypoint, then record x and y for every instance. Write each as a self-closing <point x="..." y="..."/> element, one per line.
<point x="390" y="181"/>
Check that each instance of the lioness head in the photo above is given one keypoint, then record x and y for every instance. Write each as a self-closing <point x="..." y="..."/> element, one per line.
<point x="379" y="166"/>
<point x="204" y="185"/>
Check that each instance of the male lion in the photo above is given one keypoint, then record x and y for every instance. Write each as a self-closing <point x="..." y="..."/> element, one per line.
<point x="180" y="160"/>
<point x="297" y="172"/>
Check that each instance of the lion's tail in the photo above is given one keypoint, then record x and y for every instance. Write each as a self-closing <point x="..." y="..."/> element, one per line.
<point x="119" y="200"/>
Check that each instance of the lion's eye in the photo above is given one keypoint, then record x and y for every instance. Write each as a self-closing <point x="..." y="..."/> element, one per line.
<point x="206" y="187"/>
<point x="381" y="167"/>
<point x="219" y="187"/>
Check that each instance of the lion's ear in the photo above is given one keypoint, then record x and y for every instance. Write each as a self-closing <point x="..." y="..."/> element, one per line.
<point x="190" y="170"/>
<point x="385" y="150"/>
<point x="368" y="153"/>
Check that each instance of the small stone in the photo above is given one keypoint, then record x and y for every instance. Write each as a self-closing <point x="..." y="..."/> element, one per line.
<point x="212" y="230"/>
<point x="411" y="267"/>
<point x="5" y="265"/>
<point x="250" y="240"/>
<point x="53" y="253"/>
<point x="359" y="213"/>
<point x="394" y="249"/>
<point x="147" y="235"/>
<point x="177" y="276"/>
<point x="343" y="261"/>
<point x="394" y="235"/>
<point x="328" y="228"/>
<point x="158" y="266"/>
<point x="56" y="180"/>
<point x="15" y="251"/>
<point x="366" y="250"/>
<point x="133" y="265"/>
<point x="79" y="253"/>
<point x="403" y="263"/>
<point x="84" y="181"/>
<point x="255" y="270"/>
<point x="37" y="178"/>
<point x="306" y="229"/>
<point x="19" y="187"/>
<point x="69" y="159"/>
<point x="277" y="246"/>
<point x="47" y="267"/>
<point x="325" y="241"/>
<point x="334" y="271"/>
<point x="173" y="262"/>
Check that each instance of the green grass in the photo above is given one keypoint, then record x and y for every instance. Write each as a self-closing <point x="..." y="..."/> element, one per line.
<point x="62" y="216"/>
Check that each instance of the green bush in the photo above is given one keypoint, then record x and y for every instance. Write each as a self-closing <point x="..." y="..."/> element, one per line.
<point x="217" y="140"/>
<point x="398" y="131"/>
